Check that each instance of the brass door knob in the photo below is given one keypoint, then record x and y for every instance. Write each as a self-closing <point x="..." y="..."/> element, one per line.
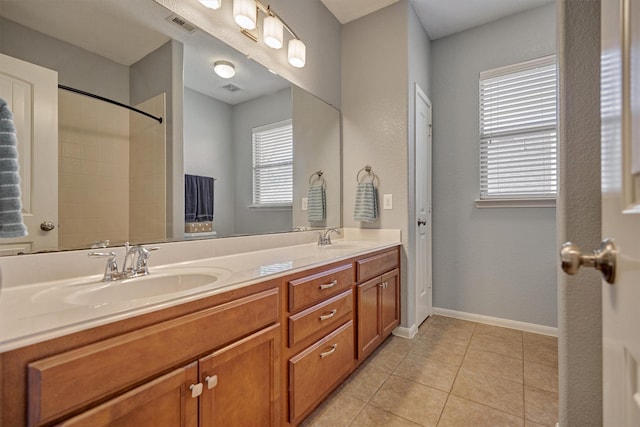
<point x="603" y="259"/>
<point x="47" y="226"/>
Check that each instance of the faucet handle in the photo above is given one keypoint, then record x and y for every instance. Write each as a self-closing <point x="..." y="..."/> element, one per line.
<point x="111" y="269"/>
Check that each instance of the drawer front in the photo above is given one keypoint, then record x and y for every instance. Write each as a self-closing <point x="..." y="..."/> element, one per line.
<point x="368" y="268"/>
<point x="69" y="381"/>
<point x="321" y="317"/>
<point x="315" y="371"/>
<point x="309" y="290"/>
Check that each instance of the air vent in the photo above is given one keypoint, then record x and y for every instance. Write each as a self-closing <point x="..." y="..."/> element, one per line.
<point x="231" y="87"/>
<point x="182" y="23"/>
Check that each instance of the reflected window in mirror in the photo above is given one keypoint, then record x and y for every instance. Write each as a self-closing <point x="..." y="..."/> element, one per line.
<point x="273" y="164"/>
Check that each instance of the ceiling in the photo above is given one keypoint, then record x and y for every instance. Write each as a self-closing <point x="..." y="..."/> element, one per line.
<point x="439" y="17"/>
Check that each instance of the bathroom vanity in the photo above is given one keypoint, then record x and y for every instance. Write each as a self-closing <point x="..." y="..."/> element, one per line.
<point x="257" y="348"/>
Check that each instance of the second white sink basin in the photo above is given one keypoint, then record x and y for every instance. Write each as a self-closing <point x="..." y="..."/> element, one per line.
<point x="151" y="286"/>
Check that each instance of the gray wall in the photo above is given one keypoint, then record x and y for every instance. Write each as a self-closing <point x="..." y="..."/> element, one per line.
<point x="208" y="151"/>
<point x="76" y="67"/>
<point x="493" y="262"/>
<point x="579" y="219"/>
<point x="375" y="114"/>
<point x="258" y="112"/>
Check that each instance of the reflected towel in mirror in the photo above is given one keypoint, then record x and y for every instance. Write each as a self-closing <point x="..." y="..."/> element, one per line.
<point x="11" y="221"/>
<point x="316" y="203"/>
<point x="198" y="198"/>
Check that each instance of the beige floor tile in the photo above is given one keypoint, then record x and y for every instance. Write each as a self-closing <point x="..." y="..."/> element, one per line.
<point x="410" y="400"/>
<point x="528" y="423"/>
<point x="341" y="411"/>
<point x="376" y="417"/>
<point x="450" y="323"/>
<point x="428" y="372"/>
<point x="389" y="355"/>
<point x="460" y="412"/>
<point x="541" y="349"/>
<point x="364" y="383"/>
<point x="541" y="406"/>
<point x="451" y="334"/>
<point x="541" y="376"/>
<point x="497" y="331"/>
<point x="489" y="390"/>
<point x="431" y="348"/>
<point x="498" y="345"/>
<point x="483" y="362"/>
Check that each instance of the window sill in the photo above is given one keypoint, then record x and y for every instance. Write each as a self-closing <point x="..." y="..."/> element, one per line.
<point x="273" y="207"/>
<point x="515" y="203"/>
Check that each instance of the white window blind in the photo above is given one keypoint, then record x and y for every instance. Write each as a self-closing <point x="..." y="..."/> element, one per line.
<point x="273" y="164"/>
<point x="518" y="131"/>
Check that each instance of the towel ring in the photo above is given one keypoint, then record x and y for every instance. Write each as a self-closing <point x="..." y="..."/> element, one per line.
<point x="369" y="172"/>
<point x="317" y="176"/>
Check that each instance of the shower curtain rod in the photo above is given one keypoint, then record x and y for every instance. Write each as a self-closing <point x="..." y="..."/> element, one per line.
<point x="110" y="101"/>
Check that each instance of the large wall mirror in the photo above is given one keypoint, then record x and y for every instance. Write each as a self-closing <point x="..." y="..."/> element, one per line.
<point x="113" y="174"/>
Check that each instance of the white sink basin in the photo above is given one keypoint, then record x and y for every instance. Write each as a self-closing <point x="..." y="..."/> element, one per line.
<point x="155" y="286"/>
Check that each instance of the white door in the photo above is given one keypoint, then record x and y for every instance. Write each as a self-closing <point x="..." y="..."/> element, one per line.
<point x="423" y="226"/>
<point x="621" y="210"/>
<point x="31" y="93"/>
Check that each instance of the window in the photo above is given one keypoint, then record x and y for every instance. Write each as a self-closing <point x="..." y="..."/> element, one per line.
<point x="273" y="165"/>
<point x="518" y="132"/>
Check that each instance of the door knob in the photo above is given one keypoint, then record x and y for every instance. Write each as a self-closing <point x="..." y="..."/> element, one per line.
<point x="422" y="222"/>
<point x="603" y="259"/>
<point x="47" y="226"/>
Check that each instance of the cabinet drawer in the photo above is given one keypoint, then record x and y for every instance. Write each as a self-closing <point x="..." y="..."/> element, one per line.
<point x="315" y="371"/>
<point x="324" y="316"/>
<point x="72" y="380"/>
<point x="309" y="290"/>
<point x="368" y="268"/>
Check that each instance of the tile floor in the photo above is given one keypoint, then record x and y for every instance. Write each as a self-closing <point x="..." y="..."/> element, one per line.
<point x="452" y="373"/>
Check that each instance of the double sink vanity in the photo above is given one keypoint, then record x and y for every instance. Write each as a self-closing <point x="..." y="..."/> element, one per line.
<point x="245" y="338"/>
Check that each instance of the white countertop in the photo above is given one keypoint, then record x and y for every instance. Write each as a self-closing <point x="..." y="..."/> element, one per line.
<point x="37" y="312"/>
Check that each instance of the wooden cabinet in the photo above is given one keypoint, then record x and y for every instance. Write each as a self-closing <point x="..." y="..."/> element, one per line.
<point x="378" y="300"/>
<point x="320" y="349"/>
<point x="241" y="337"/>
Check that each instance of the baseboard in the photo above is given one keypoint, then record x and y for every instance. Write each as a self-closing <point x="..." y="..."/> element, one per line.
<point x="497" y="321"/>
<point x="406" y="332"/>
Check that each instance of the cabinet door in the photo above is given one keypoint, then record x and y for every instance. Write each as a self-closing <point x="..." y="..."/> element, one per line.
<point x="390" y="302"/>
<point x="241" y="382"/>
<point x="369" y="329"/>
<point x="165" y="401"/>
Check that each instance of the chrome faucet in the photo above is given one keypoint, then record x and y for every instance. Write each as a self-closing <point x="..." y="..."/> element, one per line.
<point x="135" y="263"/>
<point x="324" y="238"/>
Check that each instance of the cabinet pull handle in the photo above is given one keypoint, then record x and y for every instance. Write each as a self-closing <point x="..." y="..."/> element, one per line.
<point x="212" y="381"/>
<point x="329" y="352"/>
<point x="329" y="285"/>
<point x="385" y="284"/>
<point x="196" y="389"/>
<point x="329" y="315"/>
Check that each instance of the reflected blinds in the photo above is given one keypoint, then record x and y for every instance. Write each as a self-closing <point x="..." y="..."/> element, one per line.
<point x="273" y="164"/>
<point x="518" y="131"/>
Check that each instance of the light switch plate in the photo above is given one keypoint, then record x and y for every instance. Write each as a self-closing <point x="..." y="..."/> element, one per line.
<point x="388" y="201"/>
<point x="305" y="201"/>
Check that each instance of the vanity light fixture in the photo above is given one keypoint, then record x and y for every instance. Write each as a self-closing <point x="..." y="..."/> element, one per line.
<point x="212" y="4"/>
<point x="245" y="14"/>
<point x="224" y="69"/>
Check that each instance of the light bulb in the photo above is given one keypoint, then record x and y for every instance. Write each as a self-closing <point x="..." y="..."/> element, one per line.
<point x="212" y="4"/>
<point x="244" y="13"/>
<point x="272" y="32"/>
<point x="297" y="53"/>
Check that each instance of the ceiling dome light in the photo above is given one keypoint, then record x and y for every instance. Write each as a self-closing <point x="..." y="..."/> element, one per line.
<point x="224" y="69"/>
<point x="297" y="53"/>
<point x="212" y="4"/>
<point x="272" y="32"/>
<point x="244" y="13"/>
